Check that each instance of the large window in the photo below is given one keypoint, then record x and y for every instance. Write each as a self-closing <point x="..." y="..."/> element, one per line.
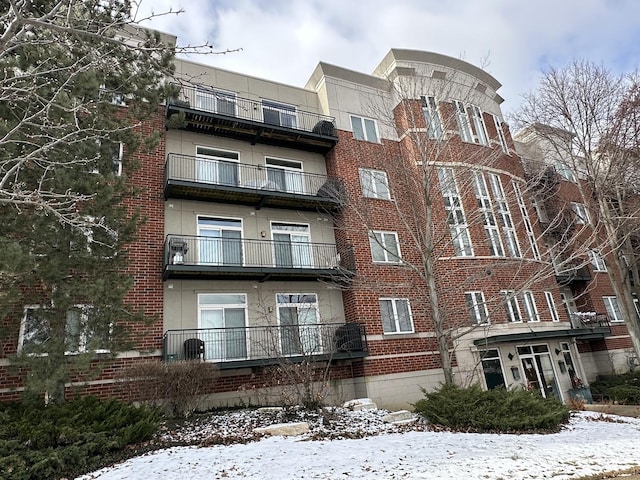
<point x="501" y="138"/>
<point x="553" y="311"/>
<point x="220" y="241"/>
<point x="216" y="166"/>
<point x="597" y="262"/>
<point x="464" y="127"/>
<point x="477" y="307"/>
<point x="581" y="213"/>
<point x="292" y="246"/>
<point x="222" y="318"/>
<point x="504" y="215"/>
<point x="275" y="113"/>
<point x="298" y="319"/>
<point x="492" y="369"/>
<point x="479" y="126"/>
<point x="285" y="175"/>
<point x="530" y="308"/>
<point x="613" y="309"/>
<point x="374" y="183"/>
<point x="512" y="305"/>
<point x="396" y="315"/>
<point x="83" y="331"/>
<point x="432" y="117"/>
<point x="455" y="213"/>
<point x="384" y="246"/>
<point x="364" y="129"/>
<point x="527" y="221"/>
<point x="488" y="217"/>
<point x="217" y="101"/>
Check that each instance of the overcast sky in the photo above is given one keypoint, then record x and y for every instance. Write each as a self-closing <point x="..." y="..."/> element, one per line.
<point x="283" y="40"/>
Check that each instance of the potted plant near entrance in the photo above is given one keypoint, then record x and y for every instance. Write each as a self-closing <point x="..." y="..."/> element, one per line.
<point x="580" y="391"/>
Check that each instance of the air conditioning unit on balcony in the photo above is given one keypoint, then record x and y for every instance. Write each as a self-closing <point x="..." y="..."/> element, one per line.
<point x="178" y="248"/>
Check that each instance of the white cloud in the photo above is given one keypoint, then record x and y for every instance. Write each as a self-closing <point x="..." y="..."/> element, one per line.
<point x="284" y="40"/>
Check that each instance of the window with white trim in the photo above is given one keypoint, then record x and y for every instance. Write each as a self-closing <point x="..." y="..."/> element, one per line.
<point x="298" y="316"/>
<point x="552" y="306"/>
<point x="478" y="124"/>
<point x="488" y="217"/>
<point x="464" y="127"/>
<point x="364" y="129"/>
<point x="455" y="213"/>
<point x="597" y="262"/>
<point x="504" y="216"/>
<point x="217" y="101"/>
<point x="613" y="309"/>
<point x="285" y="175"/>
<point x="81" y="333"/>
<point x="581" y="213"/>
<point x="563" y="169"/>
<point x="432" y="117"/>
<point x="220" y="167"/>
<point x="530" y="308"/>
<point x="511" y="305"/>
<point x="385" y="247"/>
<point x="374" y="183"/>
<point x="527" y="222"/>
<point x="222" y="318"/>
<point x="477" y="307"/>
<point x="501" y="138"/>
<point x="396" y="315"/>
<point x="276" y="113"/>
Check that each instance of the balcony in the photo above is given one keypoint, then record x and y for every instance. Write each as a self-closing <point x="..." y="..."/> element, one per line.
<point x="200" y="257"/>
<point x="204" y="110"/>
<point x="266" y="345"/>
<point x="587" y="325"/>
<point x="569" y="275"/>
<point x="196" y="178"/>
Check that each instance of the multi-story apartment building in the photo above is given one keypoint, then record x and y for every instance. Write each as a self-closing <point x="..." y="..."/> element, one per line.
<point x="289" y="224"/>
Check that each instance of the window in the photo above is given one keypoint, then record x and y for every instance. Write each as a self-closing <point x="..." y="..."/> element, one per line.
<point x="597" y="261"/>
<point x="464" y="127"/>
<point x="108" y="159"/>
<point x="581" y="213"/>
<point x="374" y="183"/>
<point x="364" y="129"/>
<point x="492" y="369"/>
<point x="275" y="113"/>
<point x="216" y="101"/>
<point x="396" y="315"/>
<point x="478" y="124"/>
<point x="285" y="175"/>
<point x="222" y="320"/>
<point x="432" y="117"/>
<point x="563" y="169"/>
<point x="292" y="247"/>
<point x="219" y="167"/>
<point x="552" y="306"/>
<point x="512" y="305"/>
<point x="504" y="216"/>
<point x="530" y="308"/>
<point x="527" y="222"/>
<point x="219" y="241"/>
<point x="486" y="210"/>
<point x="298" y="319"/>
<point x="384" y="246"/>
<point x="541" y="209"/>
<point x="500" y="132"/>
<point x="613" y="309"/>
<point x="82" y="333"/>
<point x="477" y="307"/>
<point x="455" y="214"/>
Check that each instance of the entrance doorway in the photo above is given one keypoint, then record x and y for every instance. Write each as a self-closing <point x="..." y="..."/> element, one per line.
<point x="538" y="370"/>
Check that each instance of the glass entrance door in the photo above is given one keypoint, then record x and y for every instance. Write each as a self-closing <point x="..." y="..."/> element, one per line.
<point x="538" y="370"/>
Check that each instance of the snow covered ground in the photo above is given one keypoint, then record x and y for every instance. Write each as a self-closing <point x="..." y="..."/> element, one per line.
<point x="591" y="443"/>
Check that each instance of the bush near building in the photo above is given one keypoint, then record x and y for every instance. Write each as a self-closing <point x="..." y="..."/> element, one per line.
<point x="624" y="389"/>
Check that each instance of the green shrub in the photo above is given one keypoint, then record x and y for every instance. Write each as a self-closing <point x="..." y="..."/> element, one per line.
<point x="498" y="410"/>
<point x="626" y="394"/>
<point x="619" y="388"/>
<point x="55" y="441"/>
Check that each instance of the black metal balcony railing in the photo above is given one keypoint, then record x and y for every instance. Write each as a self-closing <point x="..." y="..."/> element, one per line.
<point x="262" y="345"/>
<point x="589" y="320"/>
<point x="569" y="274"/>
<point x="209" y="111"/>
<point x="201" y="178"/>
<point x="186" y="255"/>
